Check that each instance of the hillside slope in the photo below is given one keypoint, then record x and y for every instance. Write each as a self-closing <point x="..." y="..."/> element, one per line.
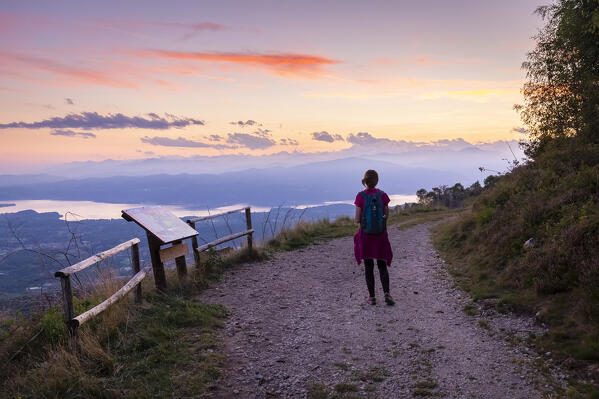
<point x="555" y="202"/>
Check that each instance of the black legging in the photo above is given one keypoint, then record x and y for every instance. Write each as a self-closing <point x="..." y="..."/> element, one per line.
<point x="369" y="269"/>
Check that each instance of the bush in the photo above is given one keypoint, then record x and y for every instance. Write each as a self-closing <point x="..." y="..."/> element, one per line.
<point x="53" y="327"/>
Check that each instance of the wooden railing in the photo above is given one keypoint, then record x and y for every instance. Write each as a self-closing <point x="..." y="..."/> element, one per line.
<point x="248" y="232"/>
<point x="73" y="322"/>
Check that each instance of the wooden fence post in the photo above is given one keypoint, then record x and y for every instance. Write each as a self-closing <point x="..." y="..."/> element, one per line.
<point x="136" y="269"/>
<point x="248" y="223"/>
<point x="194" y="245"/>
<point x="157" y="265"/>
<point x="67" y="298"/>
<point x="181" y="264"/>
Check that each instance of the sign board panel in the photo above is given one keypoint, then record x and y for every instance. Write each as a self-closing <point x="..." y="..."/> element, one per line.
<point x="173" y="252"/>
<point x="160" y="222"/>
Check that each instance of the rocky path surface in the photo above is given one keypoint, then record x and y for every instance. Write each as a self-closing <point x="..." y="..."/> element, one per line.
<point x="299" y="322"/>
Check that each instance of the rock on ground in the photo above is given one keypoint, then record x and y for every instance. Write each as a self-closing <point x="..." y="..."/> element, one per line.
<point x="301" y="319"/>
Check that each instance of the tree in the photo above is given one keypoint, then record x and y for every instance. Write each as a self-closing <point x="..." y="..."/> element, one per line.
<point x="561" y="94"/>
<point x="456" y="195"/>
<point x="490" y="180"/>
<point x="475" y="189"/>
<point x="421" y="194"/>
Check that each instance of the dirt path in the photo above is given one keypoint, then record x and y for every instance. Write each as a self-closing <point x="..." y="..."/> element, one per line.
<point x="300" y="319"/>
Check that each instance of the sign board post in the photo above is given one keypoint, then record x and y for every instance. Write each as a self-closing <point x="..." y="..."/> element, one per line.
<point x="180" y="261"/>
<point x="162" y="227"/>
<point x="157" y="265"/>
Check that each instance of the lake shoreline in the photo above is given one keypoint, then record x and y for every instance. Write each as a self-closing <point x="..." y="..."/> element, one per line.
<point x="89" y="210"/>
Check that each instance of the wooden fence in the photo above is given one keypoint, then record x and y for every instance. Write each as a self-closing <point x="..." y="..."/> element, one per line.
<point x="73" y="322"/>
<point x="248" y="232"/>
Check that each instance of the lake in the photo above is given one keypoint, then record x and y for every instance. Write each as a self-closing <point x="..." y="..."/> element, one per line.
<point x="78" y="210"/>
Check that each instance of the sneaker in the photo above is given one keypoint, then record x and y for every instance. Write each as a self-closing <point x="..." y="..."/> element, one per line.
<point x="371" y="300"/>
<point x="389" y="300"/>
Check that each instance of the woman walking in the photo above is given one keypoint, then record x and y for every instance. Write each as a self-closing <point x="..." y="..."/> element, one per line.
<point x="371" y="241"/>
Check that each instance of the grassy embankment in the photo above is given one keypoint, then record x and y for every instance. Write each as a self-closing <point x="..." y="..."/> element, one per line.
<point x="555" y="201"/>
<point x="166" y="347"/>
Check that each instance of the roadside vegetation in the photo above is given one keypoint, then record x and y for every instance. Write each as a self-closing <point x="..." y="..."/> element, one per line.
<point x="531" y="240"/>
<point x="165" y="347"/>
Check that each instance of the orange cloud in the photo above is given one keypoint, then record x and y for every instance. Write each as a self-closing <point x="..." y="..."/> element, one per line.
<point x="74" y="74"/>
<point x="285" y="64"/>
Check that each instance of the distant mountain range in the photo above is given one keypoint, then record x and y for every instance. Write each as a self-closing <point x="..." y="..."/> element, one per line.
<point x="317" y="182"/>
<point x="264" y="180"/>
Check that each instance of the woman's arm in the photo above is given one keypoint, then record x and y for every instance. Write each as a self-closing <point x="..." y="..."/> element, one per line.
<point x="358" y="215"/>
<point x="386" y="211"/>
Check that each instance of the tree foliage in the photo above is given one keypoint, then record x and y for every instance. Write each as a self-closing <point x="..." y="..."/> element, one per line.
<point x="450" y="197"/>
<point x="561" y="94"/>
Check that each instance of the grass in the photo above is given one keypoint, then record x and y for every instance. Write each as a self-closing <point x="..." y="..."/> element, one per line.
<point x="304" y="234"/>
<point x="374" y="374"/>
<point x="424" y="387"/>
<point x="484" y="324"/>
<point x="163" y="348"/>
<point x="408" y="218"/>
<point x="343" y="365"/>
<point x="318" y="391"/>
<point x="340" y="391"/>
<point x="470" y="309"/>
<point x="173" y="350"/>
<point x="345" y="387"/>
<point x="428" y="383"/>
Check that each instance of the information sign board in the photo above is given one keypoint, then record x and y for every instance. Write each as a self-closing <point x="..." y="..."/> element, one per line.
<point x="161" y="222"/>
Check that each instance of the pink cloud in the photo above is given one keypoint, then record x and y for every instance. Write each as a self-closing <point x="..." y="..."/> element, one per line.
<point x="6" y="88"/>
<point x="32" y="64"/>
<point x="31" y="23"/>
<point x="136" y="28"/>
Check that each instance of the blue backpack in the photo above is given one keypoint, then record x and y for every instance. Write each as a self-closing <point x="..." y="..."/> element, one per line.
<point x="373" y="218"/>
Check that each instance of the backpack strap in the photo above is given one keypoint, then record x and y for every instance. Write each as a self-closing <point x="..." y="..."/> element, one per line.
<point x="365" y="196"/>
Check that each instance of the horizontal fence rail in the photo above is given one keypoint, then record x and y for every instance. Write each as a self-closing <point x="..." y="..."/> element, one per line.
<point x="92" y="260"/>
<point x="124" y="290"/>
<point x="249" y="232"/>
<point x="199" y="219"/>
<point x="72" y="321"/>
<point x="223" y="240"/>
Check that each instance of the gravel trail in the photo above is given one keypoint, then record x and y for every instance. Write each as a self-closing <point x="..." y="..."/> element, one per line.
<point x="301" y="319"/>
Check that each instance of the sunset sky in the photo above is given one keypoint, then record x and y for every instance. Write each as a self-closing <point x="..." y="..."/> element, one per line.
<point x="125" y="80"/>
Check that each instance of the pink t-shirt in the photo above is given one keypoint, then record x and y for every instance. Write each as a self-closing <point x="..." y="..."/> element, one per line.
<point x="359" y="202"/>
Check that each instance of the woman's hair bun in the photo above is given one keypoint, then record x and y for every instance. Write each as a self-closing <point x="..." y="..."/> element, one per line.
<point x="371" y="178"/>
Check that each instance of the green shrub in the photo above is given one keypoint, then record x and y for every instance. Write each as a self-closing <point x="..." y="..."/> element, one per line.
<point x="53" y="327"/>
<point x="485" y="215"/>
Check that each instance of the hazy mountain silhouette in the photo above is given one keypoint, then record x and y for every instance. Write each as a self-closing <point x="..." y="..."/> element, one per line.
<point x="311" y="183"/>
